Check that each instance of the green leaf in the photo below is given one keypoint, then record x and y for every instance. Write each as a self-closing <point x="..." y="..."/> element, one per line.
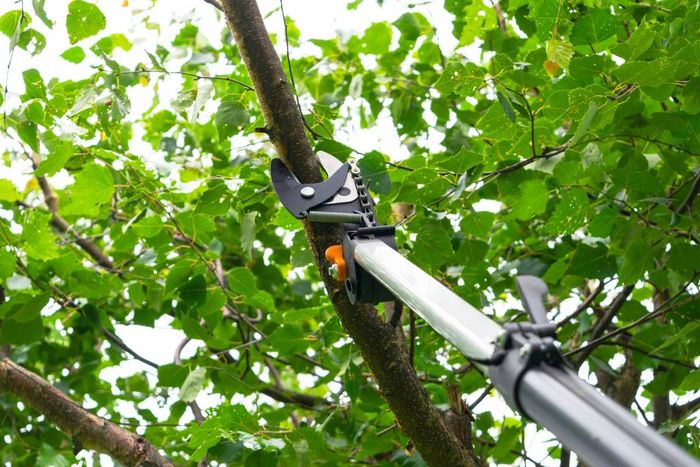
<point x="691" y="97"/>
<point x="193" y="384"/>
<point x="59" y="153"/>
<point x="30" y="310"/>
<point x="477" y="224"/>
<point x="93" y="188"/>
<point x="49" y="456"/>
<point x="433" y="246"/>
<point x="74" y="54"/>
<point x="594" y="27"/>
<point x="288" y="339"/>
<point x="41" y="13"/>
<point x="84" y="20"/>
<point x="109" y="43"/>
<point x="585" y="124"/>
<point x="639" y="42"/>
<point x="8" y="191"/>
<point x="461" y="161"/>
<point x="10" y="26"/>
<point x="248" y="233"/>
<point x="7" y="264"/>
<point x="507" y="107"/>
<point x="377" y="38"/>
<point x="532" y="201"/>
<point x="560" y="52"/>
<point x="373" y="168"/>
<point x="460" y="79"/>
<point x="654" y="73"/>
<point x="231" y="118"/>
<point x="591" y="262"/>
<point x="148" y="227"/>
<point x="34" y="84"/>
<point x="570" y="213"/>
<point x="242" y="281"/>
<point x="334" y="148"/>
<point x="15" y="333"/>
<point x="39" y="242"/>
<point x="172" y="375"/>
<point x="545" y="14"/>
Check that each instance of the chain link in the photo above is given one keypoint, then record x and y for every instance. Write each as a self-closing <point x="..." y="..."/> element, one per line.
<point x="366" y="203"/>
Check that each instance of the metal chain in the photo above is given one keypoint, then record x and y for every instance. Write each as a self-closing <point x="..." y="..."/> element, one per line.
<point x="363" y="194"/>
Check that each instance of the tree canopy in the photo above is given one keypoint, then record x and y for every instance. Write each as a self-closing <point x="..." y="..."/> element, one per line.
<point x="550" y="138"/>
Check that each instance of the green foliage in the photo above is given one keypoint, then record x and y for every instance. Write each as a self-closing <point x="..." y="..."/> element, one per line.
<point x="566" y="146"/>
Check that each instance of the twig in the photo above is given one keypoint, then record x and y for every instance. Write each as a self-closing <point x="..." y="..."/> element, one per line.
<point x="641" y="411"/>
<point x="687" y="203"/>
<point x="586" y="303"/>
<point x="247" y="87"/>
<point x="291" y="74"/>
<point x="661" y="310"/>
<point x="606" y="319"/>
<point x="119" y="343"/>
<point x="481" y="397"/>
<point x="215" y="4"/>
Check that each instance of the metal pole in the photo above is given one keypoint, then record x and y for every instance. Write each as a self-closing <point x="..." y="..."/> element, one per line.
<point x="472" y="332"/>
<point x="600" y="431"/>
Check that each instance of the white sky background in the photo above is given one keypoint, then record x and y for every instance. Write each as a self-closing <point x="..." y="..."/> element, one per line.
<point x="314" y="18"/>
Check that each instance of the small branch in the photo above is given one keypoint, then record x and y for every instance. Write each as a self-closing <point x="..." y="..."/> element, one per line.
<point x="291" y="75"/>
<point x="177" y="359"/>
<point x="687" y="203"/>
<point x="245" y="86"/>
<point x="661" y="310"/>
<point x="586" y="303"/>
<point x="605" y="320"/>
<point x="499" y="15"/>
<point x="60" y="223"/>
<point x="679" y="412"/>
<point x="116" y="340"/>
<point x="215" y="4"/>
<point x="641" y="411"/>
<point x="487" y="390"/>
<point x="86" y="429"/>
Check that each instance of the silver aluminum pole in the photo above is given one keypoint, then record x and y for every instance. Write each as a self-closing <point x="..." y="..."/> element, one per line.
<point x="460" y="323"/>
<point x="600" y="431"/>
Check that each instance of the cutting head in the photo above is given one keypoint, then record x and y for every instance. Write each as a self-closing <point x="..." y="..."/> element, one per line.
<point x="299" y="198"/>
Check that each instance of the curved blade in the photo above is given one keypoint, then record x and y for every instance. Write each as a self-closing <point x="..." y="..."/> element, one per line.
<point x="331" y="165"/>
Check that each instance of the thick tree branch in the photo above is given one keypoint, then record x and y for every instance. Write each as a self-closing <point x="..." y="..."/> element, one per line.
<point x="90" y="431"/>
<point x="400" y="387"/>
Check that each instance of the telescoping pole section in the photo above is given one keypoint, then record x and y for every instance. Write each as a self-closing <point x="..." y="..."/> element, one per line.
<point x="600" y="431"/>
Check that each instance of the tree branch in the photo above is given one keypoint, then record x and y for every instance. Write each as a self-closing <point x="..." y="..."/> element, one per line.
<point x="60" y="223"/>
<point x="418" y="417"/>
<point x="687" y="203"/>
<point x="90" y="431"/>
<point x="605" y="321"/>
<point x="586" y="303"/>
<point x="679" y="412"/>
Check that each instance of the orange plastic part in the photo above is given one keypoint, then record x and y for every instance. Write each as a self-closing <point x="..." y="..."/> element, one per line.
<point x="334" y="254"/>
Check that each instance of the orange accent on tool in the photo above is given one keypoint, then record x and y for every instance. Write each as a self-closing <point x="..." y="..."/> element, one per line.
<point x="334" y="254"/>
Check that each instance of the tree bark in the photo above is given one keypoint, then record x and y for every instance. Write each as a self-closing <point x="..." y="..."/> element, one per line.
<point x="87" y="430"/>
<point x="417" y="417"/>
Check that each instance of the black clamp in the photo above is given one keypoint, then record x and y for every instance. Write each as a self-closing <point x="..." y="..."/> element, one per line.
<point x="525" y="345"/>
<point x="341" y="199"/>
